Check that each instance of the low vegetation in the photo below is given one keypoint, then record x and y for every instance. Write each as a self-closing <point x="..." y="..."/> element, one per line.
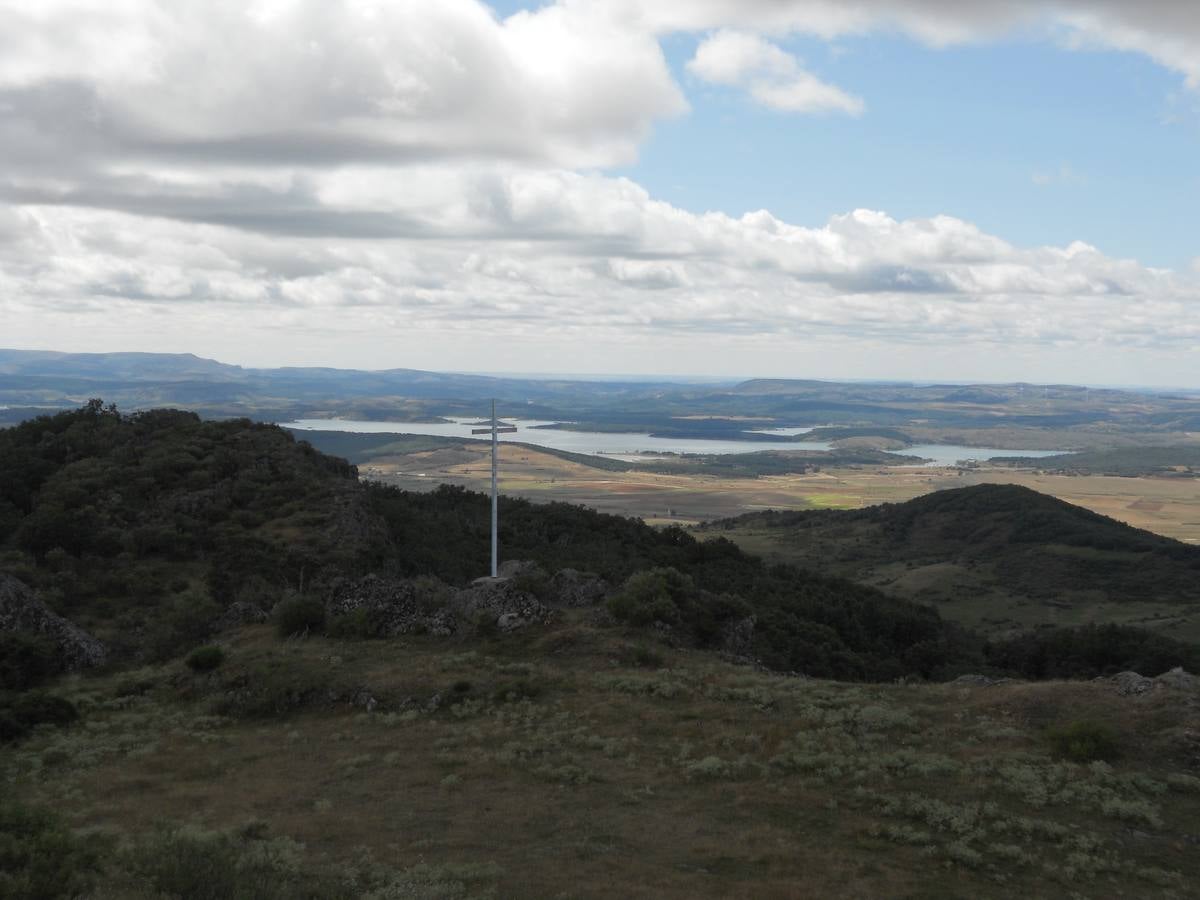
<point x="562" y="761"/>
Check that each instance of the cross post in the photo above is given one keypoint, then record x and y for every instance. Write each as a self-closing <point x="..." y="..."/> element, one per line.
<point x="495" y="429"/>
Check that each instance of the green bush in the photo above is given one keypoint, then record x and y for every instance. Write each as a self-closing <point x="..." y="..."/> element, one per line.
<point x="26" y="661"/>
<point x="358" y="624"/>
<point x="654" y="595"/>
<point x="206" y="658"/>
<point x="643" y="657"/>
<point x="515" y="691"/>
<point x="300" y="615"/>
<point x="1083" y="741"/>
<point x="19" y="713"/>
<point x="185" y="620"/>
<point x="40" y="859"/>
<point x="185" y="861"/>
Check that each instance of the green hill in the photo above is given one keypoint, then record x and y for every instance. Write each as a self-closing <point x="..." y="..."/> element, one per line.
<point x="998" y="556"/>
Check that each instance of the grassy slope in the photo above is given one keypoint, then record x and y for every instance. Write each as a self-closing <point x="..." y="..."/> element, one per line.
<point x="994" y="557"/>
<point x="695" y="779"/>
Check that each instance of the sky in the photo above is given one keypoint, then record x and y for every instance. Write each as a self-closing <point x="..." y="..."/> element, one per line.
<point x="914" y="189"/>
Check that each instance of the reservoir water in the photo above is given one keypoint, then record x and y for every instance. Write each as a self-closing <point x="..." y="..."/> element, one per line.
<point x="599" y="443"/>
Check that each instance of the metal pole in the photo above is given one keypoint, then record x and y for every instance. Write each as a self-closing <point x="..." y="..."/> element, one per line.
<point x="496" y="429"/>
<point x="495" y="507"/>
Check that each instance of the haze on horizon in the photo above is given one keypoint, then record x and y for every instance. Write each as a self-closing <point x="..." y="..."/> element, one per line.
<point x="880" y="189"/>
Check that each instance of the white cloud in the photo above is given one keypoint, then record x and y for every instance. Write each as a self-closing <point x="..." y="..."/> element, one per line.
<point x="1168" y="31"/>
<point x="559" y="256"/>
<point x="315" y="82"/>
<point x="1064" y="174"/>
<point x="773" y="77"/>
<point x="406" y="177"/>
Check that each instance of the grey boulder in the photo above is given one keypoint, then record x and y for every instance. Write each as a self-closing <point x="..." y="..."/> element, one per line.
<point x="20" y="610"/>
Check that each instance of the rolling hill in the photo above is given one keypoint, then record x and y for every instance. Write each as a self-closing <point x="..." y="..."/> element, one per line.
<point x="999" y="557"/>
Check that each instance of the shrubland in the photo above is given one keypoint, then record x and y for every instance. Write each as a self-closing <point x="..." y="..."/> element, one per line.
<point x="570" y="761"/>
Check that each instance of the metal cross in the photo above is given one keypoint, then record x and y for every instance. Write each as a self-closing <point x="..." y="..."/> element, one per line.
<point x="495" y="430"/>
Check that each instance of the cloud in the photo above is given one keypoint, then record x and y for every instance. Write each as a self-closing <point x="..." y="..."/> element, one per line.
<point x="1167" y="31"/>
<point x="773" y="77"/>
<point x="192" y="80"/>
<point x="1064" y="174"/>
<point x="409" y="175"/>
<point x="559" y="257"/>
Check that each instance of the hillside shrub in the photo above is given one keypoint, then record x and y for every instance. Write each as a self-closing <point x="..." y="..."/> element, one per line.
<point x="300" y="615"/>
<point x="1083" y="741"/>
<point x="19" y="713"/>
<point x="651" y="596"/>
<point x="40" y="858"/>
<point x="26" y="660"/>
<point x="182" y="622"/>
<point x="206" y="658"/>
<point x="186" y="861"/>
<point x="642" y="656"/>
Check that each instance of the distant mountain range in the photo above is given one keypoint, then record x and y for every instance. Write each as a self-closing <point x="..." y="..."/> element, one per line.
<point x="31" y="378"/>
<point x="35" y="380"/>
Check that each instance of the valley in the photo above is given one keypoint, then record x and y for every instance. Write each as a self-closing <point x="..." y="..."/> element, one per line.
<point x="1167" y="506"/>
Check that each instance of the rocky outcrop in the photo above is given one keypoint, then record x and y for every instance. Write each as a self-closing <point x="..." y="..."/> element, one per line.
<point x="238" y="613"/>
<point x="499" y="602"/>
<point x="392" y="606"/>
<point x="572" y="588"/>
<point x="1179" y="680"/>
<point x="1131" y="684"/>
<point x="20" y="610"/>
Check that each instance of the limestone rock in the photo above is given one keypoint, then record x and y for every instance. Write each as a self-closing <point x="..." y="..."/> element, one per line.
<point x="20" y="610"/>
<point x="1179" y="680"/>
<point x="240" y="612"/>
<point x="500" y="601"/>
<point x="392" y="606"/>
<point x="578" y="589"/>
<point x="1131" y="683"/>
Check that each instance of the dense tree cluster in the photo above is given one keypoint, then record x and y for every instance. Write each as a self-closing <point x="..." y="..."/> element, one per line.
<point x="1090" y="650"/>
<point x="140" y="527"/>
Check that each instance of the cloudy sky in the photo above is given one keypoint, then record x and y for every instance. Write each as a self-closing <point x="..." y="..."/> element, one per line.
<point x="866" y="188"/>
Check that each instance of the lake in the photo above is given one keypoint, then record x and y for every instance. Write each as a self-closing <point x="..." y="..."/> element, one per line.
<point x="599" y="443"/>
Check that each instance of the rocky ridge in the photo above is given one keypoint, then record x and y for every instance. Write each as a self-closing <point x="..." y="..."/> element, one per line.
<point x="22" y="611"/>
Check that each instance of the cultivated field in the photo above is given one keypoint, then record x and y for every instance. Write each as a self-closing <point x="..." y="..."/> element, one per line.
<point x="1167" y="506"/>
